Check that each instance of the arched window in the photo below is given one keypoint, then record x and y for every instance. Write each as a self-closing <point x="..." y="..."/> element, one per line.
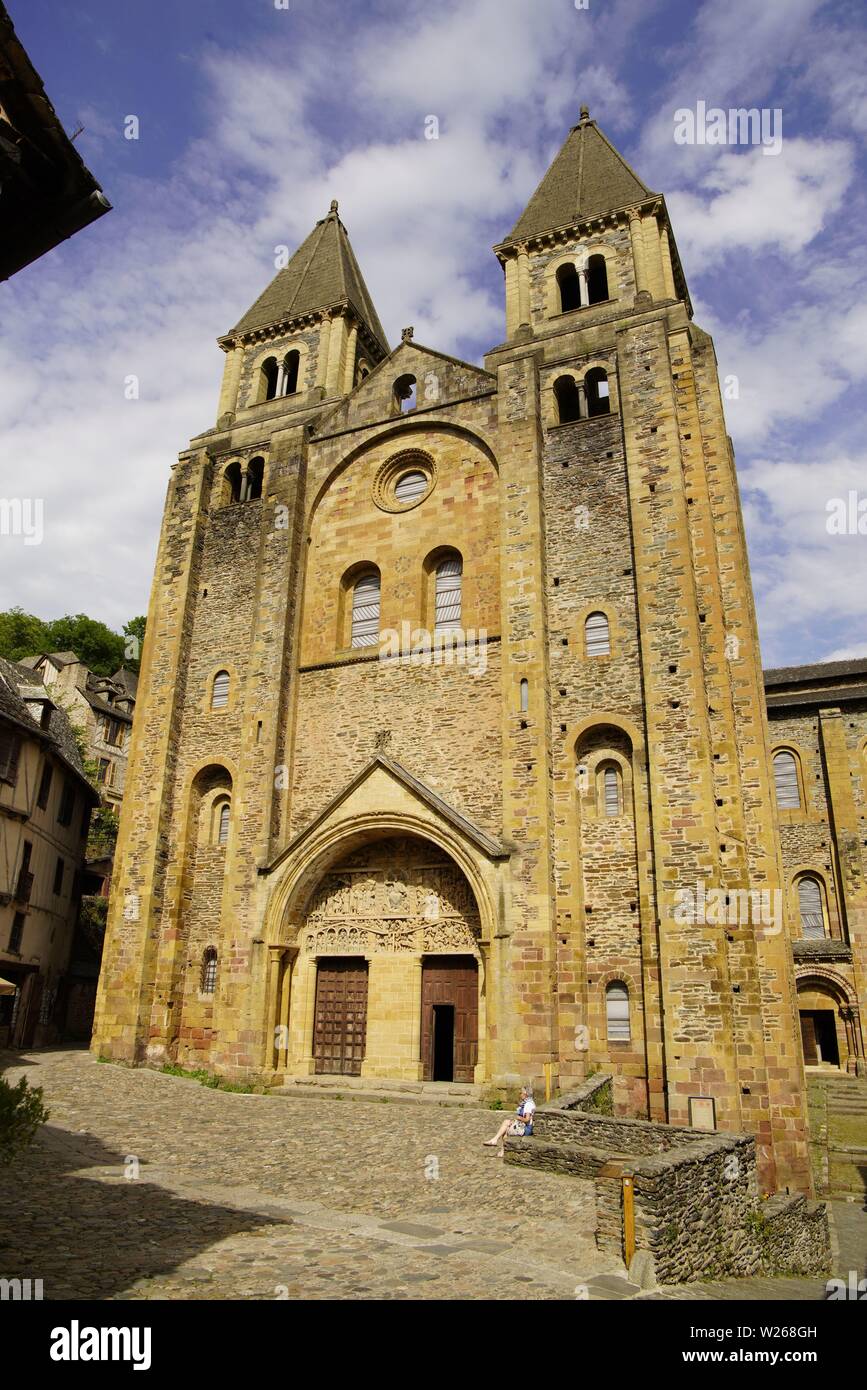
<point x="291" y="365"/>
<point x="410" y="486"/>
<point x="255" y="477"/>
<point x="569" y="287"/>
<point x="810" y="906"/>
<point x="224" y="815"/>
<point x="232" y="476"/>
<point x="610" y="791"/>
<point x="596" y="388"/>
<point x="449" y="578"/>
<point x="220" y="690"/>
<point x="268" y="374"/>
<point x="365" y="611"/>
<point x="568" y="400"/>
<point x="597" y="280"/>
<point x="597" y="637"/>
<point x="786" y="782"/>
<point x="208" y="978"/>
<point x="405" y="393"/>
<point x="617" y="1012"/>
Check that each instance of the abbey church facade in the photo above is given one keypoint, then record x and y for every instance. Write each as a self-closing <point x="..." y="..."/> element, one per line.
<point x="452" y="719"/>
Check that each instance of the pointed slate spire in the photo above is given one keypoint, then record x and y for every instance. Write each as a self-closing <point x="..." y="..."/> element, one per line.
<point x="587" y="179"/>
<point x="322" y="274"/>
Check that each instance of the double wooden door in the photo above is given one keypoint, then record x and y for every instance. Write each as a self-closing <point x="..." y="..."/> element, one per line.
<point x="449" y="1018"/>
<point x="340" y="1021"/>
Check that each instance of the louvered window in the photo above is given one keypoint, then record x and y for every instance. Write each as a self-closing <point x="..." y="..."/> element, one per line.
<point x="365" y="611"/>
<point x="410" y="486"/>
<point x="611" y="784"/>
<point x="209" y="971"/>
<point x="617" y="1012"/>
<point x="810" y="901"/>
<point x="223" y="828"/>
<point x="596" y="635"/>
<point x="448" y="593"/>
<point x="220" y="693"/>
<point x="786" y="780"/>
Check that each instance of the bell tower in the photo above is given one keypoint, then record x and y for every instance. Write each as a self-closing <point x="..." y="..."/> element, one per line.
<point x="650" y="705"/>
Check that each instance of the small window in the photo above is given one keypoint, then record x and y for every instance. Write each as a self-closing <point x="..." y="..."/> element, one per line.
<point x="223" y="824"/>
<point x="58" y="878"/>
<point x="410" y="486"/>
<point x="810" y="904"/>
<point x="255" y="479"/>
<point x="597" y="637"/>
<point x="525" y="696"/>
<point x="449" y="579"/>
<point x="597" y="280"/>
<point x="105" y="772"/>
<point x="291" y="365"/>
<point x="17" y="932"/>
<point x="568" y="397"/>
<point x="365" y="611"/>
<point x="569" y="287"/>
<point x="596" y="392"/>
<point x="67" y="802"/>
<point x="786" y="782"/>
<point x="44" y="787"/>
<point x="405" y="393"/>
<point x="617" y="1012"/>
<point x="232" y="480"/>
<point x="111" y="731"/>
<point x="611" y="791"/>
<point x="10" y="747"/>
<point x="269" y="375"/>
<point x="208" y="977"/>
<point x="220" y="691"/>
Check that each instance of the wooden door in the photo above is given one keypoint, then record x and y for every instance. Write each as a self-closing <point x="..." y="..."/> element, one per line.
<point x="451" y="980"/>
<point x="808" y="1040"/>
<point x="340" y="1021"/>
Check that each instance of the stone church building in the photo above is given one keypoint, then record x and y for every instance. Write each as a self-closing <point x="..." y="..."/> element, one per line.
<point x="451" y="761"/>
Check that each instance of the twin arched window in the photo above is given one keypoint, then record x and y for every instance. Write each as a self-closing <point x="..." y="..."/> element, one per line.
<point x="597" y="635"/>
<point x="220" y="690"/>
<point x="279" y="378"/>
<point x="447" y="599"/>
<point x="580" y="288"/>
<point x="617" y="1012"/>
<point x="208" y="974"/>
<point x="245" y="485"/>
<point x="786" y="782"/>
<point x="582" y="400"/>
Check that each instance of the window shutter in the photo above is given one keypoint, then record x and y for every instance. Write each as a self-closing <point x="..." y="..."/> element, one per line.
<point x="596" y="635"/>
<point x="410" y="486"/>
<point x="612" y="792"/>
<point x="617" y="1013"/>
<point x="225" y="813"/>
<point x="448" y="593"/>
<point x="810" y="900"/>
<point x="786" y="780"/>
<point x="220" y="694"/>
<point x="9" y="749"/>
<point x="365" y="612"/>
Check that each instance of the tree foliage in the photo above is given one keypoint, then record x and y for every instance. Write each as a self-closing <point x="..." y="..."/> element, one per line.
<point x="104" y="651"/>
<point x="21" y="1114"/>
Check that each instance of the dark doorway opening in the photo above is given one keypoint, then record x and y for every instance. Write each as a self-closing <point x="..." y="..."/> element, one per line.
<point x="819" y="1038"/>
<point x="443" y="1042"/>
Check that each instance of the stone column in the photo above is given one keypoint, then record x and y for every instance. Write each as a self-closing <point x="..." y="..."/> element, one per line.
<point x="275" y="958"/>
<point x="523" y="285"/>
<point x="301" y="1016"/>
<point x="513" y="312"/>
<point x="231" y="380"/>
<point x="583" y="291"/>
<point x="289" y="958"/>
<point x="336" y="344"/>
<point x="351" y="350"/>
<point x="582" y="401"/>
<point x="324" y="342"/>
<point x="638" y="257"/>
<point x="667" y="268"/>
<point x="281" y="379"/>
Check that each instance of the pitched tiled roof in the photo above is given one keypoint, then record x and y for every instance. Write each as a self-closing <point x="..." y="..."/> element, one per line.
<point x="323" y="272"/>
<point x="14" y="679"/>
<point x="588" y="178"/>
<point x="821" y="671"/>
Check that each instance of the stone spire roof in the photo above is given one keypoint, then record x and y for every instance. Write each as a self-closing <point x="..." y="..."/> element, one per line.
<point x="322" y="274"/>
<point x="587" y="179"/>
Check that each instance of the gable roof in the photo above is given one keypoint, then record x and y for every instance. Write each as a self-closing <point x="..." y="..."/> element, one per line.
<point x="588" y="178"/>
<point x="15" y="680"/>
<point x="322" y="273"/>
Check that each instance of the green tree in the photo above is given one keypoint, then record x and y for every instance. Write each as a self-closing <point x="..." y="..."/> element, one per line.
<point x="134" y="632"/>
<point x="104" y="651"/>
<point x="21" y="634"/>
<point x="21" y="1114"/>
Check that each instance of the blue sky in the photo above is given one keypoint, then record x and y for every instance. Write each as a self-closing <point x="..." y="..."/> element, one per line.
<point x="252" y="118"/>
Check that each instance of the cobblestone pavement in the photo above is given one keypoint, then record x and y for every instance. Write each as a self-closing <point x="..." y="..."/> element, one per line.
<point x="269" y="1197"/>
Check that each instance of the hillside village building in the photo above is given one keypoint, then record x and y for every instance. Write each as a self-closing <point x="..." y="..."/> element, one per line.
<point x="452" y="709"/>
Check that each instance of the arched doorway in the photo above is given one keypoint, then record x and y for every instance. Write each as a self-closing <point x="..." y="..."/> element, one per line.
<point x="830" y="1033"/>
<point x="385" y="967"/>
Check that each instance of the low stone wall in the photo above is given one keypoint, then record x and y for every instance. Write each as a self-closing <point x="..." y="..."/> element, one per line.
<point x="697" y="1209"/>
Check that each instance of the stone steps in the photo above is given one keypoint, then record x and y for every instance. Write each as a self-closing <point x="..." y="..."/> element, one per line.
<point x="381" y="1089"/>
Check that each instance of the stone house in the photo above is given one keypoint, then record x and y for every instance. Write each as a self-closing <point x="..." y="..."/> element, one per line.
<point x="452" y="709"/>
<point x="45" y="807"/>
